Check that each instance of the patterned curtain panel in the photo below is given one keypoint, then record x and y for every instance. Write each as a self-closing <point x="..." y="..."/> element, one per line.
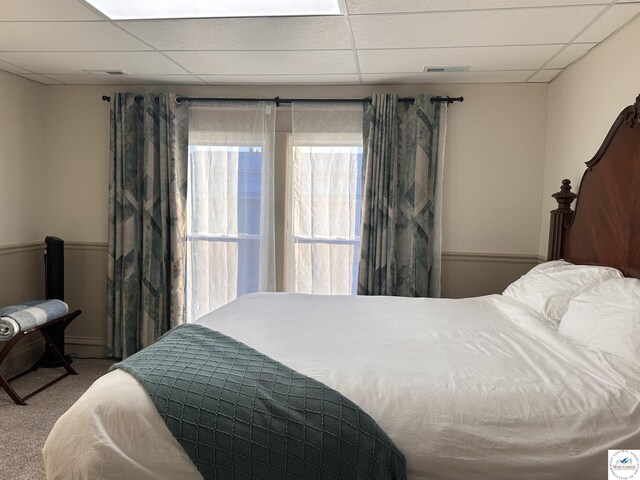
<point x="147" y="218"/>
<point x="401" y="232"/>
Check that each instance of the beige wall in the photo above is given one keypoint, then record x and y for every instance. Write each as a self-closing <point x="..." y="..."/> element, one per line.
<point x="22" y="203"/>
<point x="77" y="152"/>
<point x="583" y="103"/>
<point x="22" y="189"/>
<point x="493" y="168"/>
<point x="491" y="192"/>
<point x="22" y="182"/>
<point x="86" y="289"/>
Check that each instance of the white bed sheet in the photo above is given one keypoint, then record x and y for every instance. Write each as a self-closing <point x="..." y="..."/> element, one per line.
<point x="478" y="388"/>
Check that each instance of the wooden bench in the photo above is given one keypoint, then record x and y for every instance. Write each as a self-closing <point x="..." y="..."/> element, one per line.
<point x="50" y="347"/>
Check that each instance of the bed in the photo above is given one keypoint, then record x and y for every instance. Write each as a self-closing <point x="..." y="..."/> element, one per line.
<point x="537" y="383"/>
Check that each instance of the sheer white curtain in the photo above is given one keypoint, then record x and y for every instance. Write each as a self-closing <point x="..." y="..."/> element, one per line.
<point x="230" y="218"/>
<point x="436" y="276"/>
<point x="325" y="171"/>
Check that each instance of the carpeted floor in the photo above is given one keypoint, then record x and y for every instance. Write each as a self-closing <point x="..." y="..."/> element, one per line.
<point x="23" y="430"/>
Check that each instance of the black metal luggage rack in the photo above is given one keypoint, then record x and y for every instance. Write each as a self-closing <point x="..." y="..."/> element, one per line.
<point x="50" y="348"/>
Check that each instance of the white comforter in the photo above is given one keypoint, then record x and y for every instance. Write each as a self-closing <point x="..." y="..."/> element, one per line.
<point x="478" y="388"/>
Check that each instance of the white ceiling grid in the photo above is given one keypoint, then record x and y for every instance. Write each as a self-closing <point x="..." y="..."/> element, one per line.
<point x="372" y="42"/>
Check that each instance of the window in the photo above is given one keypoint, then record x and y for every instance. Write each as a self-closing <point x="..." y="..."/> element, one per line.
<point x="325" y="178"/>
<point x="229" y="206"/>
<point x="325" y="219"/>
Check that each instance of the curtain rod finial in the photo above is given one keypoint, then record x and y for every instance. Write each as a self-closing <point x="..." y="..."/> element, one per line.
<point x="106" y="98"/>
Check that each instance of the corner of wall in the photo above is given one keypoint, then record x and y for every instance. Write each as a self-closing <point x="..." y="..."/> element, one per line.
<point x="544" y="217"/>
<point x="583" y="101"/>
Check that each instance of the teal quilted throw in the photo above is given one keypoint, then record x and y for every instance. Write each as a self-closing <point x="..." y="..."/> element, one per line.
<point x="241" y="415"/>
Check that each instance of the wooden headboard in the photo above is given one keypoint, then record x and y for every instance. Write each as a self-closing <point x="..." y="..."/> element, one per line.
<point x="604" y="229"/>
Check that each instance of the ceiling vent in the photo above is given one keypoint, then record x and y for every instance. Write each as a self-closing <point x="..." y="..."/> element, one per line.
<point x="448" y="69"/>
<point x="106" y="72"/>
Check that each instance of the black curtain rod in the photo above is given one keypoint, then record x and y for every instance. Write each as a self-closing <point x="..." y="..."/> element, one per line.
<point x="137" y="98"/>
<point x="449" y="100"/>
<point x="278" y="100"/>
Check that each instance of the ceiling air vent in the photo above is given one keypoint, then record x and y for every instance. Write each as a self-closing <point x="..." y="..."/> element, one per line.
<point x="106" y="72"/>
<point x="448" y="69"/>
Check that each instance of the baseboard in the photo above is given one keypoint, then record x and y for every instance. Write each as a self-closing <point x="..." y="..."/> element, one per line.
<point x="85" y="346"/>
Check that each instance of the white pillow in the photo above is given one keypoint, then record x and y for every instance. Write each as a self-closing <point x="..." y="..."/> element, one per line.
<point x="606" y="317"/>
<point x="549" y="287"/>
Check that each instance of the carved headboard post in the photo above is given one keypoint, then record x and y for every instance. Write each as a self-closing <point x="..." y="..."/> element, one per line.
<point x="560" y="219"/>
<point x="633" y="118"/>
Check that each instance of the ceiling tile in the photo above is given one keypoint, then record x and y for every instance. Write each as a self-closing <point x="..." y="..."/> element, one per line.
<point x="49" y="41"/>
<point x="40" y="10"/>
<point x="612" y="20"/>
<point x="142" y="63"/>
<point x="478" y="58"/>
<point x="466" y="77"/>
<point x="7" y="67"/>
<point x="266" y="63"/>
<point x="40" y="79"/>
<point x="522" y="26"/>
<point x="69" y="36"/>
<point x="280" y="79"/>
<point x="544" y="76"/>
<point x="385" y="6"/>
<point x="127" y="80"/>
<point x="570" y="54"/>
<point x="285" y="33"/>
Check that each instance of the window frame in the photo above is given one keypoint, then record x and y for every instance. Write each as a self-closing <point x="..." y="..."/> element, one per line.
<point x="210" y="139"/>
<point x="290" y="240"/>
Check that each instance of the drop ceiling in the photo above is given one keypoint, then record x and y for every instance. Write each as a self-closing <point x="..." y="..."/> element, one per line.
<point x="372" y="42"/>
